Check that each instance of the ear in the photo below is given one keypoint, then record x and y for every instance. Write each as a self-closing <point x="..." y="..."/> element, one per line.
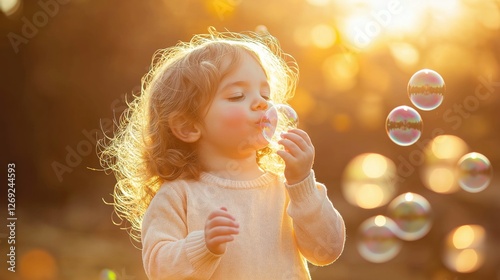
<point x="185" y="129"/>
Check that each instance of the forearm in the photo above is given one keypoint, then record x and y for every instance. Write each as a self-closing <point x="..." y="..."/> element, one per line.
<point x="319" y="227"/>
<point x="186" y="258"/>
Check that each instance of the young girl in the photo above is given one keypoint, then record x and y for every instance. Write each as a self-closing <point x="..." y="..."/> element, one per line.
<point x="196" y="180"/>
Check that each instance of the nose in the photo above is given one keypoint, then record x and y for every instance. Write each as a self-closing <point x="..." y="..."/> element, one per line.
<point x="260" y="104"/>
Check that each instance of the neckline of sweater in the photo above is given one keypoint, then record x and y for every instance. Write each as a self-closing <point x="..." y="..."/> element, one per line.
<point x="262" y="181"/>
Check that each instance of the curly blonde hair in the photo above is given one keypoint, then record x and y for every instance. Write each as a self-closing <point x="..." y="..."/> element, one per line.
<point x="144" y="153"/>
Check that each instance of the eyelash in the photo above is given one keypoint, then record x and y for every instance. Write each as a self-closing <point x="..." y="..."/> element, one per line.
<point x="236" y="98"/>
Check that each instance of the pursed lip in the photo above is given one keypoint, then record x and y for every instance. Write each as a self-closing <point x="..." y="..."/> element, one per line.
<point x="259" y="120"/>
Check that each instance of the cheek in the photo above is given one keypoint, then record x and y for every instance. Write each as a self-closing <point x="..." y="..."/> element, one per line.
<point x="233" y="117"/>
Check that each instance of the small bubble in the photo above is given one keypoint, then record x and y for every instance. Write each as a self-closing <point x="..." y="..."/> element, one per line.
<point x="474" y="172"/>
<point x="377" y="241"/>
<point x="404" y="125"/>
<point x="278" y="119"/>
<point x="412" y="214"/>
<point x="426" y="89"/>
<point x="107" y="274"/>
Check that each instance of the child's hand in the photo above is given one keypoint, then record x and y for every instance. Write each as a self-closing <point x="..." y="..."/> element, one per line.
<point x="219" y="230"/>
<point x="298" y="155"/>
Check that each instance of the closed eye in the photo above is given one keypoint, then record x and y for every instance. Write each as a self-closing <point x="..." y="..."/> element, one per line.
<point x="236" y="97"/>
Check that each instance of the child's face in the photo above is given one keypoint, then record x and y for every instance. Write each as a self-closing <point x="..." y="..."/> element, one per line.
<point x="232" y="121"/>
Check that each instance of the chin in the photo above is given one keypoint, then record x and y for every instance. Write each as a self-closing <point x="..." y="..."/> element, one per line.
<point x="253" y="143"/>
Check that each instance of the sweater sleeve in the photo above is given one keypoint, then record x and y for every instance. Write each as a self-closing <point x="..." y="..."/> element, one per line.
<point x="319" y="227"/>
<point x="169" y="251"/>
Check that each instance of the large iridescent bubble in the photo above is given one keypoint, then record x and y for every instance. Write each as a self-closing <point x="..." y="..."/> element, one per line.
<point x="377" y="242"/>
<point x="474" y="172"/>
<point x="426" y="89"/>
<point x="412" y="214"/>
<point x="279" y="118"/>
<point x="404" y="125"/>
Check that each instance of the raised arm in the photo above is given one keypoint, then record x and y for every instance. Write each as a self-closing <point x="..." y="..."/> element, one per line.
<point x="319" y="228"/>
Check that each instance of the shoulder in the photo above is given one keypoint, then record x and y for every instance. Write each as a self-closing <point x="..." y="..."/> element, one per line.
<point x="170" y="193"/>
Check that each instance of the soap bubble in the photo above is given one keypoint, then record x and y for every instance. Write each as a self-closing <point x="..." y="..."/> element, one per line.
<point x="412" y="214"/>
<point x="279" y="118"/>
<point x="377" y="242"/>
<point x="404" y="125"/>
<point x="474" y="172"/>
<point x="426" y="89"/>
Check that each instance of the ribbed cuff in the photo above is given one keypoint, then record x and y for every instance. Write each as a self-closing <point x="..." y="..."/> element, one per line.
<point x="197" y="251"/>
<point x="302" y="190"/>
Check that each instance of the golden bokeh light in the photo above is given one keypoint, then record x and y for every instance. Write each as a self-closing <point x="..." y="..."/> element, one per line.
<point x="38" y="264"/>
<point x="468" y="236"/>
<point x="465" y="248"/>
<point x="323" y="36"/>
<point x="369" y="196"/>
<point x="467" y="260"/>
<point x="441" y="156"/>
<point x="405" y="55"/>
<point x="368" y="181"/>
<point x="340" y="71"/>
<point x="10" y="7"/>
<point x="374" y="165"/>
<point x="448" y="147"/>
<point x="441" y="179"/>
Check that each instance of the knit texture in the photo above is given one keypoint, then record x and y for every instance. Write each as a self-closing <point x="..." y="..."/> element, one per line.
<point x="281" y="228"/>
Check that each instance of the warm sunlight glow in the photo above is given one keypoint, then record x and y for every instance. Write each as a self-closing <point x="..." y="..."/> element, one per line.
<point x="374" y="165"/>
<point x="405" y="54"/>
<point x="441" y="180"/>
<point x="369" y="180"/>
<point x="9" y="7"/>
<point x="468" y="236"/>
<point x="448" y="147"/>
<point x="318" y="2"/>
<point x="467" y="261"/>
<point x="368" y="21"/>
<point x="463" y="237"/>
<point x="340" y="71"/>
<point x="369" y="196"/>
<point x="465" y="248"/>
<point x="323" y="36"/>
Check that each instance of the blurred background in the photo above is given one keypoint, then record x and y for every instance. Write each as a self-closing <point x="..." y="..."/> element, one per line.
<point x="67" y="67"/>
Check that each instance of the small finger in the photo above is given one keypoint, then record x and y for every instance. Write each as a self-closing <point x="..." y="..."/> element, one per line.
<point x="219" y="231"/>
<point x="290" y="146"/>
<point x="222" y="221"/>
<point x="221" y="212"/>
<point x="303" y="135"/>
<point x="296" y="140"/>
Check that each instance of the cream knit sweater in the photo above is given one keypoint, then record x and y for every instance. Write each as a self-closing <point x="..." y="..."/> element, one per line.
<point x="281" y="228"/>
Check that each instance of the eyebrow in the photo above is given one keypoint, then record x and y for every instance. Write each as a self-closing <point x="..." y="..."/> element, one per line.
<point x="263" y="84"/>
